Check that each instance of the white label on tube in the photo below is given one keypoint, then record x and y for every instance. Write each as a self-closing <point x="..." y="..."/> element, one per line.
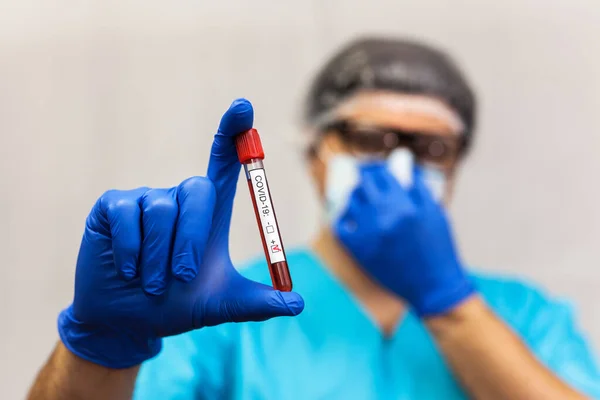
<point x="266" y="215"/>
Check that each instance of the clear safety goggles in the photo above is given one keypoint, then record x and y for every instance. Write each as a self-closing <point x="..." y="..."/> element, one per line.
<point x="440" y="150"/>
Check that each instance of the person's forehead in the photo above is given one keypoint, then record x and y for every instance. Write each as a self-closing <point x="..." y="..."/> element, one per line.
<point x="400" y="110"/>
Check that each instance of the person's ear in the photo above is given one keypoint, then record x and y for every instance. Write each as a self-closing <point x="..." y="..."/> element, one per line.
<point x="449" y="189"/>
<point x="317" y="169"/>
<point x="317" y="161"/>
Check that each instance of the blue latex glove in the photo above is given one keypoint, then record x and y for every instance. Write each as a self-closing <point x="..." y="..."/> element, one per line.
<point x="401" y="238"/>
<point x="155" y="263"/>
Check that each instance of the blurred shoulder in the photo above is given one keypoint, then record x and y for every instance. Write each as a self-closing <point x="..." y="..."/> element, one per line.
<point x="506" y="292"/>
<point x="520" y="302"/>
<point x="548" y="325"/>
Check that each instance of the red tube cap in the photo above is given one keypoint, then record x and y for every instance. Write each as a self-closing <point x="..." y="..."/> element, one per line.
<point x="248" y="146"/>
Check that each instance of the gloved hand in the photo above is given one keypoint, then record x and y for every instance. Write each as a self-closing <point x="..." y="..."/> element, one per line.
<point x="155" y="263"/>
<point x="400" y="236"/>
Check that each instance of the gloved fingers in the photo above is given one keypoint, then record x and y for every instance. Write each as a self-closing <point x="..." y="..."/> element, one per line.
<point x="355" y="210"/>
<point x="381" y="184"/>
<point x="159" y="216"/>
<point x="390" y="183"/>
<point x="419" y="192"/>
<point x="196" y="197"/>
<point x="257" y="302"/>
<point x="224" y="167"/>
<point x="372" y="178"/>
<point x="380" y="206"/>
<point x="123" y="215"/>
<point x="383" y="191"/>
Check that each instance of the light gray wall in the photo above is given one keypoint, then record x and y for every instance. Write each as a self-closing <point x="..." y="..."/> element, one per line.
<point x="113" y="93"/>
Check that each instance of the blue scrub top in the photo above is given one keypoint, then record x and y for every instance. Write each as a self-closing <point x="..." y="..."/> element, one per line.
<point x="333" y="350"/>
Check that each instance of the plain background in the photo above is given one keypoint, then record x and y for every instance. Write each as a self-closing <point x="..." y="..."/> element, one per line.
<point x="118" y="94"/>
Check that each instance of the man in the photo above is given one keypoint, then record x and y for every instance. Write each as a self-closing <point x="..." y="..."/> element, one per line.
<point x="388" y="310"/>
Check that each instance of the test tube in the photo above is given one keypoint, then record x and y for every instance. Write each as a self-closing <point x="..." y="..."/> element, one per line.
<point x="251" y="155"/>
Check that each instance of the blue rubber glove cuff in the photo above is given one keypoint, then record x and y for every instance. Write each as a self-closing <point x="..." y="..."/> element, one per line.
<point x="103" y="345"/>
<point x="444" y="301"/>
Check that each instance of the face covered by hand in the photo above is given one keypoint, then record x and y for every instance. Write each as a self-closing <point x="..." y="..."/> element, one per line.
<point x="388" y="216"/>
<point x="343" y="175"/>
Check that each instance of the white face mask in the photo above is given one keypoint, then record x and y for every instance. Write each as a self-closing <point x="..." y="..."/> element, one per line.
<point x="343" y="176"/>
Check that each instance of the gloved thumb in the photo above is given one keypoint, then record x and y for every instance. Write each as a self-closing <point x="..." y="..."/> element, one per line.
<point x="265" y="305"/>
<point x="255" y="302"/>
<point x="224" y="167"/>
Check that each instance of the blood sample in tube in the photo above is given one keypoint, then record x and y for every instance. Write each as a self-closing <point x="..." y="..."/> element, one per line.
<point x="251" y="155"/>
